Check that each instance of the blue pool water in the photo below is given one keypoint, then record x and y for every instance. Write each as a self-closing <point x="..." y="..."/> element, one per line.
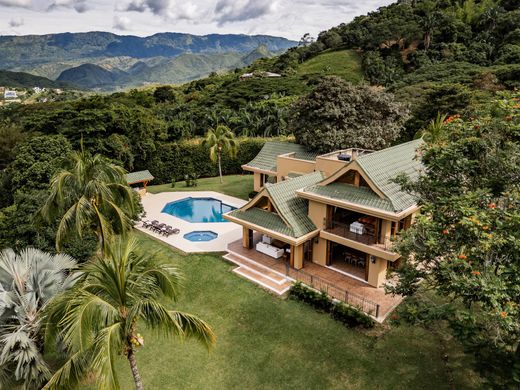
<point x="198" y="209"/>
<point x="200" y="236"/>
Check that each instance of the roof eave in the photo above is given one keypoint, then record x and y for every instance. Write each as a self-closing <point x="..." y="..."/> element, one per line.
<point x="392" y="216"/>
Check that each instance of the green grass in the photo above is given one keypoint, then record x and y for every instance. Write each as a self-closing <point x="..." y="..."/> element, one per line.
<point x="265" y="342"/>
<point x="238" y="186"/>
<point x="344" y="63"/>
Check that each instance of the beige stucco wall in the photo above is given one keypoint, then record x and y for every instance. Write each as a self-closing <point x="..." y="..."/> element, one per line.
<point x="317" y="214"/>
<point x="284" y="165"/>
<point x="377" y="272"/>
<point x="328" y="165"/>
<point x="257" y="181"/>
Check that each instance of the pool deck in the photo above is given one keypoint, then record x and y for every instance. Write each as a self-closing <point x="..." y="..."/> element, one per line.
<point x="227" y="231"/>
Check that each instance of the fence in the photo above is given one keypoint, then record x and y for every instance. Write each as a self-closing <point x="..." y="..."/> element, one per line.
<point x="362" y="303"/>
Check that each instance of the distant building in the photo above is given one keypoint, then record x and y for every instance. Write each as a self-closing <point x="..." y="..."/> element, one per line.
<point x="10" y="95"/>
<point x="246" y="76"/>
<point x="38" y="90"/>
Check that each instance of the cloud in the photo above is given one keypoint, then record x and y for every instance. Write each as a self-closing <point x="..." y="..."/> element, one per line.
<point x="79" y="5"/>
<point x="16" y="3"/>
<point x="228" y="11"/>
<point x="13" y="23"/>
<point x="121" y="23"/>
<point x="157" y="7"/>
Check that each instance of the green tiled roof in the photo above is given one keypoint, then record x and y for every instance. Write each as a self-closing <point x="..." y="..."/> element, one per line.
<point x="136" y="177"/>
<point x="266" y="158"/>
<point x="360" y="195"/>
<point x="385" y="165"/>
<point x="293" y="219"/>
<point x="381" y="167"/>
<point x="266" y="219"/>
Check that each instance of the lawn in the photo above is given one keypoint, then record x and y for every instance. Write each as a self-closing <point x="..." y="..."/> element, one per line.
<point x="238" y="186"/>
<point x="344" y="63"/>
<point x="265" y="342"/>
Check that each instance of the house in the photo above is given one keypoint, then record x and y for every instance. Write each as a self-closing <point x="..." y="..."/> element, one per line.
<point x="262" y="74"/>
<point x="340" y="210"/>
<point x="8" y="94"/>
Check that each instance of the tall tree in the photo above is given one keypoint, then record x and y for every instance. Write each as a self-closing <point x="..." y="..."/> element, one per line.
<point x="219" y="140"/>
<point x="464" y="246"/>
<point x="90" y="194"/>
<point x="28" y="280"/>
<point x="339" y="115"/>
<point x="98" y="318"/>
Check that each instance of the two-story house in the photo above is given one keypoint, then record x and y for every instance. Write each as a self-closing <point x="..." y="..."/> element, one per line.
<point x="339" y="210"/>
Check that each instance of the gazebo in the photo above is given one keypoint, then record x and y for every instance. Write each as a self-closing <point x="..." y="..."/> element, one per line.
<point x="136" y="178"/>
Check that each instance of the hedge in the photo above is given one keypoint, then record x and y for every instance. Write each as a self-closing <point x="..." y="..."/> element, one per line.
<point x="173" y="160"/>
<point x="341" y="312"/>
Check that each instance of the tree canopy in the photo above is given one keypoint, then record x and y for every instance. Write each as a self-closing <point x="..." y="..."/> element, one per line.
<point x="338" y="115"/>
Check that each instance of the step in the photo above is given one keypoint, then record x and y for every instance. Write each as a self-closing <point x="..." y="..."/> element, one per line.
<point x="274" y="276"/>
<point x="263" y="281"/>
<point x="244" y="261"/>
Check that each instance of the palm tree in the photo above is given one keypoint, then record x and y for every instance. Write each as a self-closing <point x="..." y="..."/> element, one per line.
<point x="28" y="280"/>
<point x="98" y="318"/>
<point x="90" y="194"/>
<point x="217" y="140"/>
<point x="435" y="131"/>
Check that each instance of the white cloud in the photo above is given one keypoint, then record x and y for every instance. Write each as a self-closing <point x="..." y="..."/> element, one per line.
<point x="16" y="3"/>
<point x="289" y="18"/>
<point x="122" y="23"/>
<point x="229" y="11"/>
<point x="13" y="23"/>
<point x="78" y="5"/>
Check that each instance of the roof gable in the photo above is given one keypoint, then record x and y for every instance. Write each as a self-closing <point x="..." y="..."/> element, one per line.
<point x="291" y="217"/>
<point x="383" y="166"/>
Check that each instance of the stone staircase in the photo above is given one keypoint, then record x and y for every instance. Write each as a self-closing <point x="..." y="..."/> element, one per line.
<point x="259" y="274"/>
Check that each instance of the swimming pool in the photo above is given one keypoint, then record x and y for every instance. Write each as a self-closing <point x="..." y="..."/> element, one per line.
<point x="201" y="236"/>
<point x="198" y="209"/>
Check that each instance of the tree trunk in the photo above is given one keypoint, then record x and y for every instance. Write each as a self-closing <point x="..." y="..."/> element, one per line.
<point x="135" y="373"/>
<point x="220" y="168"/>
<point x="427" y="40"/>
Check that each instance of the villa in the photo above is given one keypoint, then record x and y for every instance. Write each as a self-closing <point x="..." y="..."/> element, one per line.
<point x="338" y="212"/>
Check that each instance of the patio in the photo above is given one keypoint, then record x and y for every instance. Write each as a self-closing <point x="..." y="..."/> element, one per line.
<point x="338" y="285"/>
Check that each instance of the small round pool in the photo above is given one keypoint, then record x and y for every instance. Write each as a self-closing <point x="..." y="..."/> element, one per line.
<point x="198" y="209"/>
<point x="201" y="236"/>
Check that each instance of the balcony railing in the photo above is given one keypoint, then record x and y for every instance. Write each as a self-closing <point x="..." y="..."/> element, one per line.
<point x="343" y="230"/>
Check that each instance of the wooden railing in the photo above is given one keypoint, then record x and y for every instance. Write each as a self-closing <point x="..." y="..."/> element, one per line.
<point x="343" y="230"/>
<point x="366" y="305"/>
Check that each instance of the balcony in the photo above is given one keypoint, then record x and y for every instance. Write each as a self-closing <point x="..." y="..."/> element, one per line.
<point x="367" y="238"/>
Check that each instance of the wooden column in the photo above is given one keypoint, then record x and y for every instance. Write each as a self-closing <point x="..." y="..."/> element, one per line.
<point x="297" y="256"/>
<point x="246" y="239"/>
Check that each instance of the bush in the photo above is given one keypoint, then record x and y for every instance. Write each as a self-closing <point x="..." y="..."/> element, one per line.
<point x="252" y="194"/>
<point x="351" y="317"/>
<point x="341" y="312"/>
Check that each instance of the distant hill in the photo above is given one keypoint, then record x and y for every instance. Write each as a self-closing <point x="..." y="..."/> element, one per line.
<point x="26" y="80"/>
<point x="88" y="76"/>
<point x="177" y="70"/>
<point x="139" y="59"/>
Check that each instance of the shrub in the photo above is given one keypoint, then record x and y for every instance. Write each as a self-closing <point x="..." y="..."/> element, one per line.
<point x="350" y="316"/>
<point x="341" y="312"/>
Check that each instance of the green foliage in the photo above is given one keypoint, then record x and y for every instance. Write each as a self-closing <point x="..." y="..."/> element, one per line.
<point x="98" y="318"/>
<point x="464" y="246"/>
<point x="90" y="195"/>
<point x="338" y="115"/>
<point x="177" y="159"/>
<point x="345" y="314"/>
<point x="29" y="280"/>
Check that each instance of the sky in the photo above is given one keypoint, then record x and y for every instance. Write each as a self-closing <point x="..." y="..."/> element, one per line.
<point x="290" y="19"/>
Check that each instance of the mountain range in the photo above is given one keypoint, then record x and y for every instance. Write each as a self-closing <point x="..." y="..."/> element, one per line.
<point x="108" y="61"/>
